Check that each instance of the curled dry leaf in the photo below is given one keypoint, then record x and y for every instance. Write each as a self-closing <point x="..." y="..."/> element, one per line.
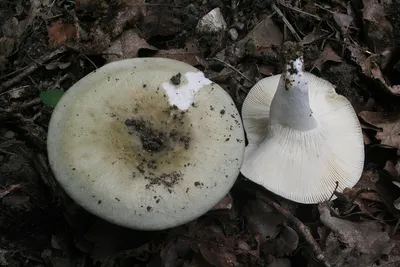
<point x="351" y="244"/>
<point x="126" y="46"/>
<point x="327" y="55"/>
<point x="175" y="252"/>
<point x="371" y="67"/>
<point x="377" y="29"/>
<point x="387" y="124"/>
<point x="343" y="21"/>
<point x="261" y="39"/>
<point x="189" y="54"/>
<point x="284" y="244"/>
<point x="59" y="33"/>
<point x="262" y="220"/>
<point x="313" y="36"/>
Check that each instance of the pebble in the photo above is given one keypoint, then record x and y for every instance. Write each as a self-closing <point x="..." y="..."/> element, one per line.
<point x="233" y="34"/>
<point x="212" y="22"/>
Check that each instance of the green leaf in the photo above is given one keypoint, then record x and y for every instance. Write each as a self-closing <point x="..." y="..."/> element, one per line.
<point x="51" y="97"/>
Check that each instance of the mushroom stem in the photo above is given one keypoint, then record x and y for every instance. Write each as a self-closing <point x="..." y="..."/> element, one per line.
<point x="291" y="106"/>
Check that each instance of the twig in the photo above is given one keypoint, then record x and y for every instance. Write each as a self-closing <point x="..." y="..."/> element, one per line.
<point x="287" y="23"/>
<point x="233" y="68"/>
<point x="34" y="66"/>
<point x="301" y="228"/>
<point x="5" y="192"/>
<point x="299" y="10"/>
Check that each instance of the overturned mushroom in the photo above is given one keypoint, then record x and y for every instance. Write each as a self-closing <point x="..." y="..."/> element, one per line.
<point x="146" y="143"/>
<point x="305" y="140"/>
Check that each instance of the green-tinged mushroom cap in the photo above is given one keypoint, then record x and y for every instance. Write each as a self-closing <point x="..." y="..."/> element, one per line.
<point x="146" y="143"/>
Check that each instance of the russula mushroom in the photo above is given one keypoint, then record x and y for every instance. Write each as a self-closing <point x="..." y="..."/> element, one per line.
<point x="305" y="140"/>
<point x="146" y="143"/>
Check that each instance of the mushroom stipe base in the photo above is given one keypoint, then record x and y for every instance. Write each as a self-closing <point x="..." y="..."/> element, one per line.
<point x="146" y="143"/>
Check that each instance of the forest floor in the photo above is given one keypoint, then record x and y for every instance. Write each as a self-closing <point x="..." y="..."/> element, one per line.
<point x="48" y="45"/>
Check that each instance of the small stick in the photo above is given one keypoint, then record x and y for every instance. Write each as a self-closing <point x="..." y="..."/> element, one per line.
<point x="301" y="228"/>
<point x="287" y="23"/>
<point x="231" y="67"/>
<point x="34" y="66"/>
<point x="299" y="10"/>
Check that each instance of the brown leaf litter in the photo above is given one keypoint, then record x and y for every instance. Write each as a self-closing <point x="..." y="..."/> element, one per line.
<point x="60" y="32"/>
<point x="387" y="124"/>
<point x="354" y="244"/>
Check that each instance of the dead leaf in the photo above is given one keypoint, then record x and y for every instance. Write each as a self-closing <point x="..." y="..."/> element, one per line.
<point x="389" y="122"/>
<point x="261" y="39"/>
<point x="190" y="54"/>
<point x="224" y="204"/>
<point x="128" y="13"/>
<point x="313" y="36"/>
<point x="284" y="244"/>
<point x="376" y="73"/>
<point x="59" y="33"/>
<point x="371" y="66"/>
<point x="377" y="29"/>
<point x="393" y="169"/>
<point x="218" y="256"/>
<point x="327" y="55"/>
<point x="343" y="21"/>
<point x="126" y="46"/>
<point x="353" y="244"/>
<point x="262" y="220"/>
<point x="174" y="252"/>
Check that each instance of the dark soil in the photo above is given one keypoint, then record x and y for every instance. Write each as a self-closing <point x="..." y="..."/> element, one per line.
<point x="355" y="50"/>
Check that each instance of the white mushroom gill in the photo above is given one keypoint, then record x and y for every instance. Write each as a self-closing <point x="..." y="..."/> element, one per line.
<point x="304" y="139"/>
<point x="290" y="105"/>
<point x="182" y="95"/>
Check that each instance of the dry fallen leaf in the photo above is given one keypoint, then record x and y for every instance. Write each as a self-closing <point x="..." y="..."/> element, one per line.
<point x="59" y="33"/>
<point x="190" y="54"/>
<point x="371" y="66"/>
<point x="377" y="29"/>
<point x="353" y="244"/>
<point x="313" y="36"/>
<point x="126" y="46"/>
<point x="389" y="122"/>
<point x="260" y="39"/>
<point x="327" y="55"/>
<point x="343" y="21"/>
<point x="262" y="220"/>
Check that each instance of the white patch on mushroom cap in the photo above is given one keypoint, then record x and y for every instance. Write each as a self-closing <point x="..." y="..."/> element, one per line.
<point x="303" y="166"/>
<point x="182" y="95"/>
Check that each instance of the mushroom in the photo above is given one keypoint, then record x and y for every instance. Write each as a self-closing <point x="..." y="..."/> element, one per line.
<point x="146" y="143"/>
<point x="304" y="139"/>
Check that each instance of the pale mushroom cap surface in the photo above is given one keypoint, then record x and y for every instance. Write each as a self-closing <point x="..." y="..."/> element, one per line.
<point x="123" y="151"/>
<point x="303" y="166"/>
